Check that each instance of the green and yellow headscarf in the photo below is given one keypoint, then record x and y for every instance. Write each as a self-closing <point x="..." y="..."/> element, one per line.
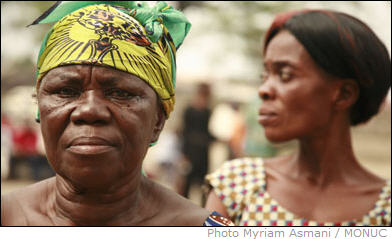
<point x="127" y="36"/>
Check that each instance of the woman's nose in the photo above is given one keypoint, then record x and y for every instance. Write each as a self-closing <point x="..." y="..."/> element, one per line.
<point x="91" y="109"/>
<point x="266" y="91"/>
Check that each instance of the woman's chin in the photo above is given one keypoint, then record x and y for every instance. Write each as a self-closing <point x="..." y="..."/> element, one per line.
<point x="274" y="137"/>
<point x="92" y="180"/>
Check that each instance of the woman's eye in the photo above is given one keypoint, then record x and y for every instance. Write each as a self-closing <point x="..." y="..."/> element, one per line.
<point x="119" y="94"/>
<point x="285" y="75"/>
<point x="68" y="92"/>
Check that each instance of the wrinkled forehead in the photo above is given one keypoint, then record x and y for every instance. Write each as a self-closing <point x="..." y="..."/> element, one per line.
<point x="84" y="74"/>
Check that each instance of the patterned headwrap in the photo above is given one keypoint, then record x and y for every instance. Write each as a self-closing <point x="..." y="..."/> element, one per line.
<point x="125" y="35"/>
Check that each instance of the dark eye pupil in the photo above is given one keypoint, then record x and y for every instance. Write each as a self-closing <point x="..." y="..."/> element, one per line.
<point x="67" y="91"/>
<point x="119" y="93"/>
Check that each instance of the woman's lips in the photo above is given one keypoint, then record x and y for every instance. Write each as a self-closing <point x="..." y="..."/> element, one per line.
<point x="89" y="146"/>
<point x="267" y="118"/>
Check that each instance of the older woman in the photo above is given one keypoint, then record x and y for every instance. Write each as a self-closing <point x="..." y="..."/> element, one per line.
<point x="325" y="71"/>
<point x="106" y="77"/>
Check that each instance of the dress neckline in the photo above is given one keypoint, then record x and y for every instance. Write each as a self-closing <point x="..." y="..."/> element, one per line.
<point x="376" y="207"/>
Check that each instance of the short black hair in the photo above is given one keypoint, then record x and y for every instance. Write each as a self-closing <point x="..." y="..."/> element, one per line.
<point x="344" y="47"/>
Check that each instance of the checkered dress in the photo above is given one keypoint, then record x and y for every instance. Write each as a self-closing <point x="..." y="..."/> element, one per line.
<point x="241" y="186"/>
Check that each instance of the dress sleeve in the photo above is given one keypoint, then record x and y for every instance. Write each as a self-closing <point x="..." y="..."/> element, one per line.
<point x="234" y="181"/>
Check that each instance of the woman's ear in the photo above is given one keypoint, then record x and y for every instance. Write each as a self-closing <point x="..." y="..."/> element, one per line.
<point x="347" y="94"/>
<point x="158" y="126"/>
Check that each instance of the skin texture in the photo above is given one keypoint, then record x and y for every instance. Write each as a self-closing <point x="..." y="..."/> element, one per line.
<point x="97" y="124"/>
<point x="323" y="181"/>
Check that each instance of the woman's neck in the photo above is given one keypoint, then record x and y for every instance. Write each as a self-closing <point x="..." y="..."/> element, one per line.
<point x="119" y="205"/>
<point x="327" y="157"/>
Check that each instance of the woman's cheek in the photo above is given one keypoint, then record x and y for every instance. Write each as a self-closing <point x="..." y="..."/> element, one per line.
<point x="53" y="117"/>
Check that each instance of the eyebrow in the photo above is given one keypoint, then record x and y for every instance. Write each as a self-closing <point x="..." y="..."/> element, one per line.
<point x="70" y="78"/>
<point x="281" y="64"/>
<point x="75" y="78"/>
<point x="104" y="80"/>
<point x="111" y="78"/>
<point x="108" y="81"/>
<point x="65" y="77"/>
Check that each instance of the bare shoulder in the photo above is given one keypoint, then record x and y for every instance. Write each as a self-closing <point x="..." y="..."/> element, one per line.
<point x="371" y="183"/>
<point x="179" y="211"/>
<point x="19" y="206"/>
<point x="190" y="214"/>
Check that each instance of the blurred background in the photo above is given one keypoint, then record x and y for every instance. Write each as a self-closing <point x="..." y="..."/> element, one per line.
<point x="219" y="65"/>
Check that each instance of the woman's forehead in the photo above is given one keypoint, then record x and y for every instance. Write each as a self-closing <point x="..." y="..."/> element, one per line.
<point x="85" y="72"/>
<point x="284" y="47"/>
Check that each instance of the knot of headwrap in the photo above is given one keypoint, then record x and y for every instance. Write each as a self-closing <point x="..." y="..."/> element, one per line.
<point x="125" y="35"/>
<point x="152" y="19"/>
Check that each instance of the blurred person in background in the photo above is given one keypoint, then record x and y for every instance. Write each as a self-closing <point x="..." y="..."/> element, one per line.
<point x="27" y="151"/>
<point x="167" y="161"/>
<point x="196" y="138"/>
<point x="325" y="72"/>
<point x="105" y="87"/>
<point x="27" y="157"/>
<point x="6" y="146"/>
<point x="236" y="141"/>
